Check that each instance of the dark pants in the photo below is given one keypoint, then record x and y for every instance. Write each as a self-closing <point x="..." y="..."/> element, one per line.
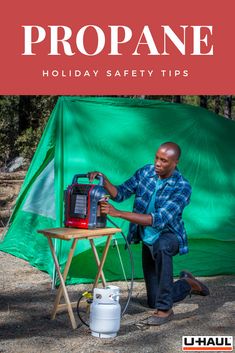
<point x="157" y="262"/>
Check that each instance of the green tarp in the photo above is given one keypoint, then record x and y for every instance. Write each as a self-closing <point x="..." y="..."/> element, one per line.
<point x="118" y="136"/>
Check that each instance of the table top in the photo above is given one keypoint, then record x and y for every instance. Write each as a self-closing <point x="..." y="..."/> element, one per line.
<point x="75" y="233"/>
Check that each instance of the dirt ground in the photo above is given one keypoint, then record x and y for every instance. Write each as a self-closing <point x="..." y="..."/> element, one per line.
<point x="26" y="301"/>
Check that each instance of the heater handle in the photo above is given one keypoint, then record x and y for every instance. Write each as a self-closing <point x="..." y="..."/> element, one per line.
<point x="98" y="177"/>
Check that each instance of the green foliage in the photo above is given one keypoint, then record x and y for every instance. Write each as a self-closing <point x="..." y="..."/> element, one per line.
<point x="8" y="127"/>
<point x="22" y="121"/>
<point x="27" y="142"/>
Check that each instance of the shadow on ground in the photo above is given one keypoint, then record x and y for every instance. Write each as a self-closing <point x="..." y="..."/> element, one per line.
<point x="26" y="302"/>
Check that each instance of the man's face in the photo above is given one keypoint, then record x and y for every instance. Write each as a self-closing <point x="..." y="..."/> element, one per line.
<point x="165" y="162"/>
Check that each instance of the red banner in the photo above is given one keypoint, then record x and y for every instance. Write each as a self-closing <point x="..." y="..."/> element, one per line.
<point x="126" y="47"/>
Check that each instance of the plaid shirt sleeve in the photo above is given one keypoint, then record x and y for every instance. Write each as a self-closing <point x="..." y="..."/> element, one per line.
<point x="128" y="188"/>
<point x="172" y="207"/>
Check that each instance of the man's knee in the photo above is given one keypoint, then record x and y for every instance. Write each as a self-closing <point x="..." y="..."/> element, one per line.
<point x="166" y="244"/>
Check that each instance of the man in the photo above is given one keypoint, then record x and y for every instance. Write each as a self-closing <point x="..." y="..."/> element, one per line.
<point x="161" y="193"/>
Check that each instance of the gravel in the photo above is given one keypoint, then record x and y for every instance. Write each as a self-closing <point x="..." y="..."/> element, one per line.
<point x="26" y="301"/>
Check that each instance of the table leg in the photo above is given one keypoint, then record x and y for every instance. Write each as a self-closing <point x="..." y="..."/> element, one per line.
<point x="102" y="261"/>
<point x="97" y="261"/>
<point x="62" y="288"/>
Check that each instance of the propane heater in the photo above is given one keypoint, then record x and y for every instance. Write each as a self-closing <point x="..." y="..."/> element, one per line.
<point x="82" y="204"/>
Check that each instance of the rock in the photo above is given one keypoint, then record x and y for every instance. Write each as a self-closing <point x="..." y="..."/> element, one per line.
<point x="15" y="164"/>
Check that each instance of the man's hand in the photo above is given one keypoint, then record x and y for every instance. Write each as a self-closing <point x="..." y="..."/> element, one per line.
<point x="138" y="218"/>
<point x="106" y="208"/>
<point x="109" y="187"/>
<point x="92" y="175"/>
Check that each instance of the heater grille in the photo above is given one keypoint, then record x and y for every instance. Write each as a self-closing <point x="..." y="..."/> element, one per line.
<point x="79" y="206"/>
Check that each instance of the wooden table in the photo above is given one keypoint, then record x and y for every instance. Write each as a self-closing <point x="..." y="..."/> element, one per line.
<point x="76" y="234"/>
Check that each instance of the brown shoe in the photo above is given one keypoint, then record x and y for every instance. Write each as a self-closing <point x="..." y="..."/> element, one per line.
<point x="197" y="287"/>
<point x="156" y="320"/>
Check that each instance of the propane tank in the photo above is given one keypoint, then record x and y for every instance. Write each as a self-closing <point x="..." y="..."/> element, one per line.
<point x="105" y="312"/>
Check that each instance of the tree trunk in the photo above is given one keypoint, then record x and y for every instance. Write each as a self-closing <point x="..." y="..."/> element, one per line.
<point x="176" y="99"/>
<point x="228" y="107"/>
<point x="36" y="106"/>
<point x="24" y="113"/>
<point x="217" y="104"/>
<point x="203" y="101"/>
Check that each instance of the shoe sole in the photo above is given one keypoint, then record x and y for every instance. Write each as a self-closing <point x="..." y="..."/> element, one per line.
<point x="204" y="292"/>
<point x="157" y="320"/>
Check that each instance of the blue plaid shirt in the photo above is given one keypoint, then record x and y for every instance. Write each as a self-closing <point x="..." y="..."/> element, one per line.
<point x="171" y="198"/>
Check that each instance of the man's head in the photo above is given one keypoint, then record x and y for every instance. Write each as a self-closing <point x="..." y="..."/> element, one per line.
<point x="166" y="159"/>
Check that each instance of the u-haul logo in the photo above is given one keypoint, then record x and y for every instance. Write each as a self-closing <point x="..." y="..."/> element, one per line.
<point x="207" y="343"/>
